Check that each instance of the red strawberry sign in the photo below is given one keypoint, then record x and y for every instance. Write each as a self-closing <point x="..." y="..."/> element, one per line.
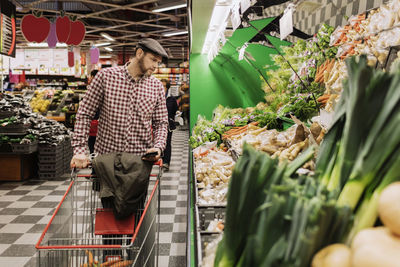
<point x="35" y="28"/>
<point x="63" y="28"/>
<point x="77" y="33"/>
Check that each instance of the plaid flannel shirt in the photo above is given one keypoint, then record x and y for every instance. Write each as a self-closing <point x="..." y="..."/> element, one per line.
<point x="133" y="114"/>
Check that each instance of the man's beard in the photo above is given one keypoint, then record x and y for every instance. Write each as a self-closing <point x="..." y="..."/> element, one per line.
<point x="146" y="72"/>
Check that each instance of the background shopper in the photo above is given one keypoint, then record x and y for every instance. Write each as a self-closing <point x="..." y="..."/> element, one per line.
<point x="172" y="107"/>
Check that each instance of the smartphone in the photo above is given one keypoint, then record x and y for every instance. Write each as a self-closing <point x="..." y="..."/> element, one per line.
<point x="150" y="155"/>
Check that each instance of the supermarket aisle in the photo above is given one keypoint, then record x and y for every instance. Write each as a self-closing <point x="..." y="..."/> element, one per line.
<point x="174" y="204"/>
<point x="25" y="209"/>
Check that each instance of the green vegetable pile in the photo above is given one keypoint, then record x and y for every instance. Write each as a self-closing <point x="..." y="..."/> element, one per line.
<point x="276" y="218"/>
<point x="8" y="121"/>
<point x="273" y="219"/>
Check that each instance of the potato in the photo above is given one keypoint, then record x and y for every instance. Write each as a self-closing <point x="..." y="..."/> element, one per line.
<point x="389" y="207"/>
<point x="333" y="256"/>
<point x="375" y="247"/>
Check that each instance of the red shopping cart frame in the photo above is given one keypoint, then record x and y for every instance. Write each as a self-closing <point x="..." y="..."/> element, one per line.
<point x="148" y="202"/>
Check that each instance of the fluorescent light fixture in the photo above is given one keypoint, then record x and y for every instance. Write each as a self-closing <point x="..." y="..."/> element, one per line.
<point x="167" y="34"/>
<point x="170" y="6"/>
<point x="217" y="26"/>
<point x="105" y="56"/>
<point x="108" y="37"/>
<point x="45" y="45"/>
<point x="102" y="44"/>
<point x="218" y="22"/>
<point x="108" y="49"/>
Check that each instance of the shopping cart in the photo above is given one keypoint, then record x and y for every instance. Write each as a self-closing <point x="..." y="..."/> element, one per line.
<point x="82" y="233"/>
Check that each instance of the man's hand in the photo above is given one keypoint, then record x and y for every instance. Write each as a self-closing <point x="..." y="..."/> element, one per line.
<point x="153" y="158"/>
<point x="79" y="161"/>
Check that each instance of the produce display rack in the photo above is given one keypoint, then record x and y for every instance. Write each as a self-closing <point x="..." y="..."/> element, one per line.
<point x="203" y="215"/>
<point x="15" y="129"/>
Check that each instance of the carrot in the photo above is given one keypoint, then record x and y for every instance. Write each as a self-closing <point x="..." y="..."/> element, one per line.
<point x="90" y="256"/>
<point x="323" y="97"/>
<point x="205" y="153"/>
<point x="109" y="263"/>
<point x="122" y="263"/>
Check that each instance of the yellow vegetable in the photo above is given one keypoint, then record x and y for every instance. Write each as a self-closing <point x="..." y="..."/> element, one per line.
<point x="389" y="207"/>
<point x="333" y="256"/>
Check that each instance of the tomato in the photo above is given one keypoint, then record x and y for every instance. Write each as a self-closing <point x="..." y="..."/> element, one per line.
<point x="77" y="33"/>
<point x="63" y="28"/>
<point x="35" y="29"/>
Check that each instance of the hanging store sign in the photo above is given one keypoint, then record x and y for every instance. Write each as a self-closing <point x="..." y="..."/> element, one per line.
<point x="244" y="5"/>
<point x="8" y="28"/>
<point x="235" y="17"/>
<point x="286" y="22"/>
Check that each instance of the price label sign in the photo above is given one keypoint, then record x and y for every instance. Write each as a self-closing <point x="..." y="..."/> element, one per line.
<point x="223" y="39"/>
<point x="286" y="23"/>
<point x="241" y="52"/>
<point x="244" y="5"/>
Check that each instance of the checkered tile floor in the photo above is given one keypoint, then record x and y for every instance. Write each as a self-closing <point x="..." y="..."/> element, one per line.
<point x="26" y="208"/>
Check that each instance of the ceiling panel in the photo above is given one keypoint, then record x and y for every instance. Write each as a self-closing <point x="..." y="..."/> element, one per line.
<point x="125" y="20"/>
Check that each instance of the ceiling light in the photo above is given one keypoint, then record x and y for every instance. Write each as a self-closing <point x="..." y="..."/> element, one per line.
<point x="102" y="44"/>
<point x="170" y="6"/>
<point x="105" y="35"/>
<point x="167" y="34"/>
<point x="108" y="49"/>
<point x="44" y="45"/>
<point x="105" y="56"/>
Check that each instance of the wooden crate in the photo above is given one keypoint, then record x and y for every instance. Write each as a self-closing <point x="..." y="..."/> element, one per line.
<point x="16" y="167"/>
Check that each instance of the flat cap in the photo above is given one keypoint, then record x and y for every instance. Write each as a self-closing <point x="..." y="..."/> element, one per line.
<point x="153" y="46"/>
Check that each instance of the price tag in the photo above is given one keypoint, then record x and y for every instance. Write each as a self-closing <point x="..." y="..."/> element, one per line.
<point x="241" y="51"/>
<point x="235" y="17"/>
<point x="286" y="23"/>
<point x="244" y="5"/>
<point x="223" y="39"/>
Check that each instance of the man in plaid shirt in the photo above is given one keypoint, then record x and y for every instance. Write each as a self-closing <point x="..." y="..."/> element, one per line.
<point x="133" y="113"/>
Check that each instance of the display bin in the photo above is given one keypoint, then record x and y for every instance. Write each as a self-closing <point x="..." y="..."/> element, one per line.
<point x="46" y="167"/>
<point x="203" y="239"/>
<point x="15" y="128"/>
<point x="206" y="214"/>
<point x="5" y="148"/>
<point x="49" y="159"/>
<point x="51" y="150"/>
<point x="391" y="56"/>
<point x="6" y="114"/>
<point x="25" y="148"/>
<point x="50" y="175"/>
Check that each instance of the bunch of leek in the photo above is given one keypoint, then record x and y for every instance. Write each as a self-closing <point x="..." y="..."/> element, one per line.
<point x="273" y="219"/>
<point x="359" y="155"/>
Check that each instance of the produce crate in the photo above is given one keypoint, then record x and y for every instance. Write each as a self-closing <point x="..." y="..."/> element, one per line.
<point x="45" y="167"/>
<point x="25" y="148"/>
<point x="207" y="214"/>
<point x="391" y="57"/>
<point x="15" y="128"/>
<point x="50" y="175"/>
<point x="203" y="239"/>
<point x="50" y="150"/>
<point x="5" y="148"/>
<point x="6" y="114"/>
<point x="50" y="159"/>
